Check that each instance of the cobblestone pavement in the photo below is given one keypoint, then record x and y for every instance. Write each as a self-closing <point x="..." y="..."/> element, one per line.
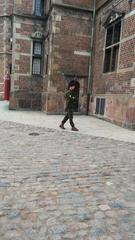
<point x="57" y="185"/>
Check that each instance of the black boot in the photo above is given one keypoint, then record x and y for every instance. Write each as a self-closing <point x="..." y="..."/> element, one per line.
<point x="62" y="126"/>
<point x="74" y="129"/>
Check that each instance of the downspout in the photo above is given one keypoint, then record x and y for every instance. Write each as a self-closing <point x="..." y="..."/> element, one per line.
<point x="90" y="69"/>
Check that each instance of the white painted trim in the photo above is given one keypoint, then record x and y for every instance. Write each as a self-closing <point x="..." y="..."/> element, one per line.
<point x="133" y="82"/>
<point x="25" y="54"/>
<point x="128" y="38"/>
<point x="33" y="8"/>
<point x="104" y="48"/>
<point x="123" y="70"/>
<point x="22" y="74"/>
<point x="9" y="53"/>
<point x="13" y="51"/>
<point x="31" y="54"/>
<point x="22" y="37"/>
<point x="121" y="32"/>
<point x="129" y="14"/>
<point x="82" y="53"/>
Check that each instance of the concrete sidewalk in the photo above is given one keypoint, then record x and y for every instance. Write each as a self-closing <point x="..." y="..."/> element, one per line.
<point x="86" y="124"/>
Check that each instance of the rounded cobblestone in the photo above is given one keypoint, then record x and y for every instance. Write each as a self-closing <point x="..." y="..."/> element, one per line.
<point x="57" y="185"/>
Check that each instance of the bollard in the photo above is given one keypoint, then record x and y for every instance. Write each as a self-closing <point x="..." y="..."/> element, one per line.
<point x="7" y="81"/>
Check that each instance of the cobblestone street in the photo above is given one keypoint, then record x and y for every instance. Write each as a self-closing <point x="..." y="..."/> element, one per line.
<point x="61" y="185"/>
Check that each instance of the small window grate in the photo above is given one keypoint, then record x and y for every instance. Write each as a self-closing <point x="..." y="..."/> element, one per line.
<point x="37" y="66"/>
<point x="37" y="58"/>
<point x="97" y="105"/>
<point x="100" y="106"/>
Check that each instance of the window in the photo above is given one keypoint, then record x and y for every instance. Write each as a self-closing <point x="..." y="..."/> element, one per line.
<point x="39" y="7"/>
<point x="46" y="71"/>
<point x="37" y="58"/>
<point x="112" y="47"/>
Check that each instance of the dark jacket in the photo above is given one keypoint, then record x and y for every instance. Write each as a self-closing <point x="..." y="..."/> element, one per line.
<point x="71" y="100"/>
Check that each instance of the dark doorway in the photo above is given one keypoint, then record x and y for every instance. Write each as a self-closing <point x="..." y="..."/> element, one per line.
<point x="77" y="90"/>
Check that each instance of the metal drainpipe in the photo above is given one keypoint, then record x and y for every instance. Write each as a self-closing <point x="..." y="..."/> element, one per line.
<point x="90" y="77"/>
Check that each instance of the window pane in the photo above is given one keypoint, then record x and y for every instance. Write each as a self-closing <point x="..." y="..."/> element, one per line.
<point x="117" y="30"/>
<point x="36" y="66"/>
<point x="102" y="106"/>
<point x="115" y="58"/>
<point x="97" y="105"/>
<point x="38" y="7"/>
<point x="107" y="60"/>
<point x="46" y="71"/>
<point x="109" y="36"/>
<point x="38" y="48"/>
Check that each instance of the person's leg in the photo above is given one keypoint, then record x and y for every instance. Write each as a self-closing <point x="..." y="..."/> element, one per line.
<point x="70" y="113"/>
<point x="64" y="121"/>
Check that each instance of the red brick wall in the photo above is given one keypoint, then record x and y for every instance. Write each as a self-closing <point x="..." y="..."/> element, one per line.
<point x="25" y="45"/>
<point x="6" y="7"/>
<point x="2" y="4"/>
<point x="70" y="39"/>
<point x="73" y="35"/>
<point x="127" y="55"/>
<point x="99" y="3"/>
<point x="80" y="3"/>
<point x="128" y="27"/>
<point x="25" y="7"/>
<point x="115" y="87"/>
<point x="26" y="88"/>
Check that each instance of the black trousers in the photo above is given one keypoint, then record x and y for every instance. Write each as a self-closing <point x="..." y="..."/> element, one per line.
<point x="69" y="116"/>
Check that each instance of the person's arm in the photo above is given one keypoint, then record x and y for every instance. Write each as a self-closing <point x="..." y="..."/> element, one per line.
<point x="70" y="96"/>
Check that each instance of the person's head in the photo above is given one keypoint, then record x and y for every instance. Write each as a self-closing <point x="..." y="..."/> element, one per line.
<point x="71" y="87"/>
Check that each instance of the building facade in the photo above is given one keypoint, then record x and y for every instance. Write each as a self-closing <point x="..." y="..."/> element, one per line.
<point x="113" y="91"/>
<point x="46" y="44"/>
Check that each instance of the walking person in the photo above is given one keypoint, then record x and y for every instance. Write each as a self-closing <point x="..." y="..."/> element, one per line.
<point x="71" y="103"/>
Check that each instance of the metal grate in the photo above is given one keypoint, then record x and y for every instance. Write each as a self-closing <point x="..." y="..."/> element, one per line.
<point x="100" y="106"/>
<point x="38" y="7"/>
<point x="36" y="66"/>
<point x="37" y="48"/>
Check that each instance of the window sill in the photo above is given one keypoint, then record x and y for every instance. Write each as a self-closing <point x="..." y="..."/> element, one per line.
<point x="37" y="75"/>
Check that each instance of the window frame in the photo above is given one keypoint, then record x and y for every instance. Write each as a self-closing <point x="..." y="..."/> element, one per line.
<point x="112" y="46"/>
<point x="37" y="56"/>
<point x="100" y="106"/>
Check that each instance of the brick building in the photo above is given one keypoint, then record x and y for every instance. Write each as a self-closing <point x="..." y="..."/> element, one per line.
<point x="113" y="88"/>
<point x="45" y="44"/>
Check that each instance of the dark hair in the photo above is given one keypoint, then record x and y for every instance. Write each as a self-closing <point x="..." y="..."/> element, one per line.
<point x="71" y="84"/>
